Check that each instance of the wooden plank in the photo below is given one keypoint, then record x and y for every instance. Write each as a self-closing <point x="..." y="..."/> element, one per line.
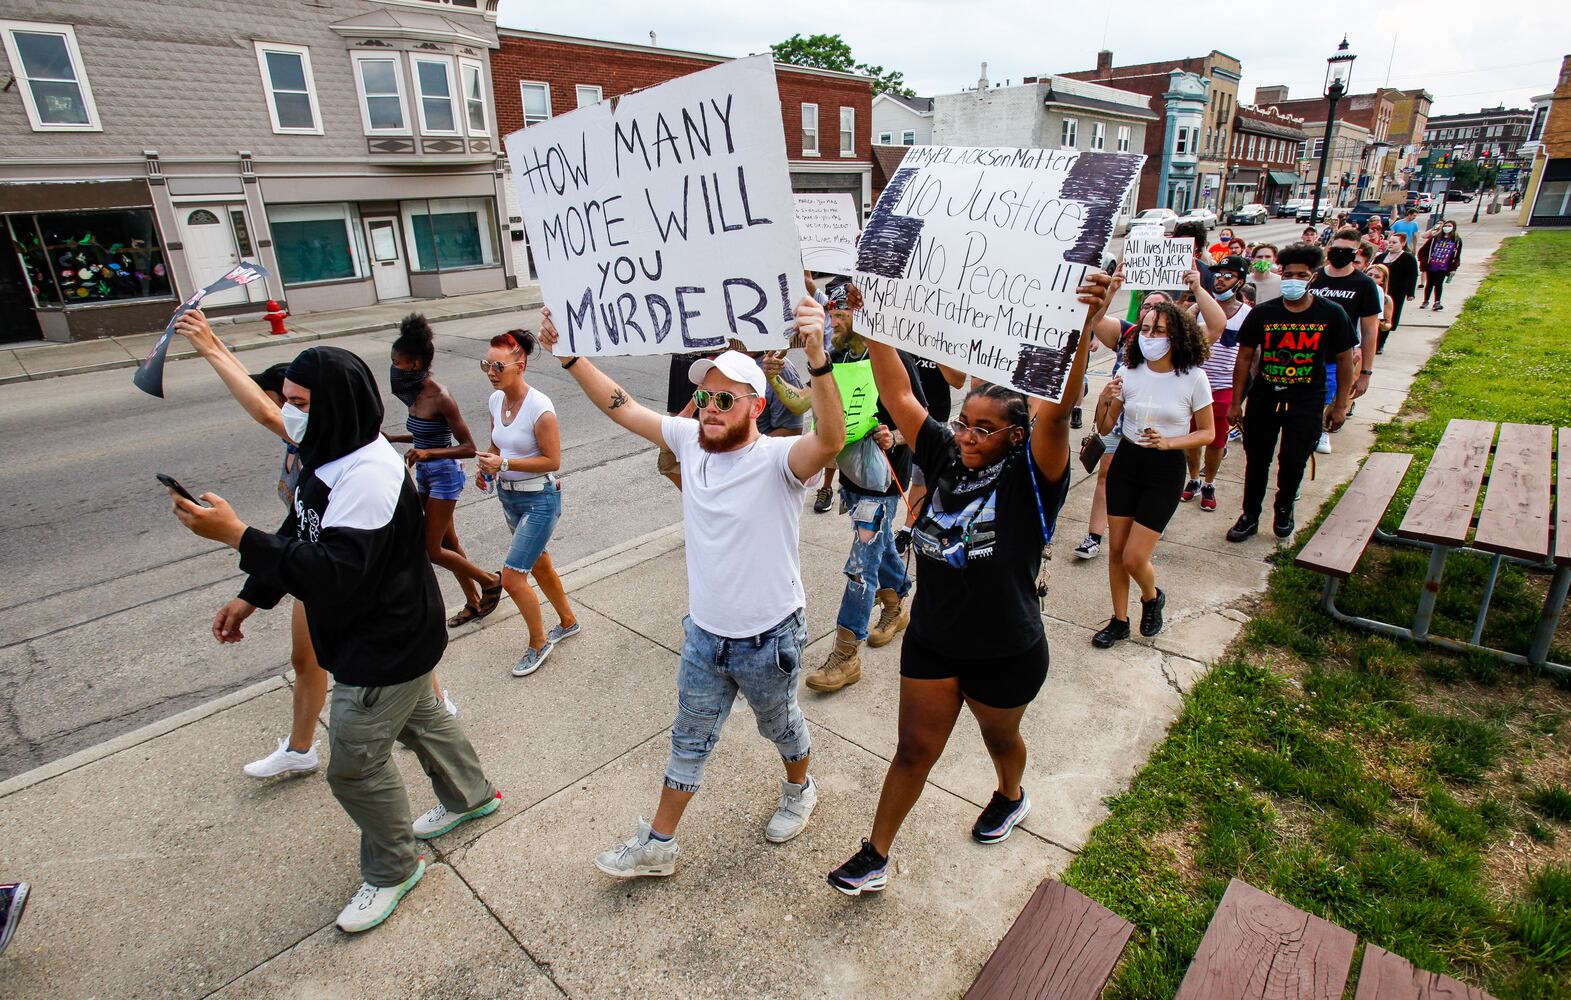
<point x="1563" y="502"/>
<point x="1515" y="516"/>
<point x="1063" y="946"/>
<point x="1258" y="946"/>
<point x="1340" y="541"/>
<point x="1442" y="509"/>
<point x="1391" y="977"/>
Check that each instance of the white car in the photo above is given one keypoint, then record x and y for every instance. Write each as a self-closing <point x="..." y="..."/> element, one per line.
<point x="1253" y="214"/>
<point x="1164" y="217"/>
<point x="1201" y="215"/>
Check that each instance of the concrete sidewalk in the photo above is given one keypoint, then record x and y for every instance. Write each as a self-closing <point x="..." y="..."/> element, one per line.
<point x="42" y="360"/>
<point x="159" y="870"/>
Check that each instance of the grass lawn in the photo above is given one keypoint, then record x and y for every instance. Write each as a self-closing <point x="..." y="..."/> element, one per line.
<point x="1419" y="799"/>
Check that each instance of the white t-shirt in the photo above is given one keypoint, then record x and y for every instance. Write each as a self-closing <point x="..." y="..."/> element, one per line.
<point x="741" y="512"/>
<point x="1163" y="400"/>
<point x="517" y="439"/>
<point x="1219" y="365"/>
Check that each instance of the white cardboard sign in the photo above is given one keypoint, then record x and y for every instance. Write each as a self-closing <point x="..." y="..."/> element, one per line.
<point x="1157" y="262"/>
<point x="972" y="256"/>
<point x="662" y="222"/>
<point x="827" y="225"/>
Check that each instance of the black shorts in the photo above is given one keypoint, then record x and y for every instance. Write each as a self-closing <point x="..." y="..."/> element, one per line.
<point x="997" y="682"/>
<point x="1145" y="484"/>
<point x="678" y="387"/>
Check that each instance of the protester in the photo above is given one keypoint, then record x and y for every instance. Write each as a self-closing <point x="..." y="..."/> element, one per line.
<point x="937" y="381"/>
<point x="875" y="574"/>
<point x="781" y="418"/>
<point x="996" y="483"/>
<point x="1223" y="245"/>
<point x="1340" y="281"/>
<point x="353" y="550"/>
<point x="1160" y="394"/>
<point x="1382" y="279"/>
<point x="1297" y="338"/>
<point x="526" y="451"/>
<point x="1264" y="279"/>
<point x="741" y="499"/>
<point x="1406" y="227"/>
<point x="1311" y="234"/>
<point x="1402" y="267"/>
<point x="1196" y="231"/>
<point x="13" y="901"/>
<point x="1439" y="257"/>
<point x="1237" y="248"/>
<point x="1203" y="462"/>
<point x="434" y="422"/>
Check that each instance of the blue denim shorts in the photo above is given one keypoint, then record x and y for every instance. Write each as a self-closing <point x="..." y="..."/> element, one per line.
<point x="440" y="479"/>
<point x="532" y="517"/>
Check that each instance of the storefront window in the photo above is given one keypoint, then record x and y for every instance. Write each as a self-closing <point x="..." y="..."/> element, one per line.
<point x="74" y="258"/>
<point x="315" y="242"/>
<point x="448" y="233"/>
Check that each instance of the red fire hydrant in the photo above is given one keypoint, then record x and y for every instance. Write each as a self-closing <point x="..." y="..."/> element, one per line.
<point x="275" y="317"/>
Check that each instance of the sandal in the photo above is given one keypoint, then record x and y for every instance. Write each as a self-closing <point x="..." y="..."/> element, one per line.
<point x="468" y="614"/>
<point x="490" y="597"/>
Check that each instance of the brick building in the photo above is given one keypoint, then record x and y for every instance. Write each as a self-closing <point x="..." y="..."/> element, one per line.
<point x="1495" y="134"/>
<point x="826" y="114"/>
<point x="1547" y="200"/>
<point x="349" y="146"/>
<point x="1359" y="144"/>
<point x="1409" y="122"/>
<point x="1209" y="148"/>
<point x="1263" y="165"/>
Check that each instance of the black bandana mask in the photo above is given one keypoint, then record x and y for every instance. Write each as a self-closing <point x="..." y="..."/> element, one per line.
<point x="405" y="384"/>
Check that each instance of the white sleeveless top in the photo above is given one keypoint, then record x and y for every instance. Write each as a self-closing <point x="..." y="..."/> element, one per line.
<point x="517" y="439"/>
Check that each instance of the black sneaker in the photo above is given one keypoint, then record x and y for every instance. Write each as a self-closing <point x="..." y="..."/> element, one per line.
<point x="1000" y="818"/>
<point x="1243" y="528"/>
<point x="867" y="871"/>
<point x="823" y="500"/>
<point x="1151" y="614"/>
<point x="1190" y="489"/>
<point x="1116" y="630"/>
<point x="13" y="900"/>
<point x="1075" y="419"/>
<point x="1283" y="524"/>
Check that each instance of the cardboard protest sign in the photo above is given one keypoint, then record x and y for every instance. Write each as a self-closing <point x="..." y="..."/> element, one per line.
<point x="149" y="375"/>
<point x="972" y="256"/>
<point x="1157" y="262"/>
<point x="827" y="225"/>
<point x="661" y="222"/>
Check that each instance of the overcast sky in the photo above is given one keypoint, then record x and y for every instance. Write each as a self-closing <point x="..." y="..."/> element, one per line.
<point x="1465" y="61"/>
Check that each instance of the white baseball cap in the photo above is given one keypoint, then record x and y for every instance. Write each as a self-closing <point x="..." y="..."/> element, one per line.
<point x="734" y="365"/>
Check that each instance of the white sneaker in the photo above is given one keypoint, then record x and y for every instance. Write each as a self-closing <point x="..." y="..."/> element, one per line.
<point x="796" y="805"/>
<point x="642" y="854"/>
<point x="284" y="761"/>
<point x="371" y="904"/>
<point x="1088" y="548"/>
<point x="1324" y="446"/>
<point x="447" y="703"/>
<point x="438" y="820"/>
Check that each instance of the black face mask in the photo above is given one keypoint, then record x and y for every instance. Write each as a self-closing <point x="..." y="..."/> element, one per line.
<point x="1341" y="256"/>
<point x="406" y="385"/>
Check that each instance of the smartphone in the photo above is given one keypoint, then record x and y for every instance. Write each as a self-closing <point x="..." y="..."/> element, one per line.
<point x="170" y="482"/>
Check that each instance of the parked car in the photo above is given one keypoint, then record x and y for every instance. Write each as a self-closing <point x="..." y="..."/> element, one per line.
<point x="1421" y="201"/>
<point x="1204" y="216"/>
<point x="1302" y="212"/>
<point x="1454" y="195"/>
<point x="1289" y="208"/>
<point x="1253" y="214"/>
<point x="1164" y="217"/>
<point x="1361" y="213"/>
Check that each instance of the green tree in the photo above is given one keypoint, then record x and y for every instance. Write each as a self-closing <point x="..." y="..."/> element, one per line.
<point x="832" y="53"/>
<point x="1472" y="175"/>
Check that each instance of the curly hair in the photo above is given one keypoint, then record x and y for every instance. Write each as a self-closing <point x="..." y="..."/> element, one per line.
<point x="415" y="340"/>
<point x="1189" y="345"/>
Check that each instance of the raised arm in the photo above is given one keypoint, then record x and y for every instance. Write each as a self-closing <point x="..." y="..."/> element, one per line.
<point x="894" y="390"/>
<point x="811" y="452"/>
<point x="1212" y="318"/>
<point x="798" y="401"/>
<point x="602" y="390"/>
<point x="954" y="376"/>
<point x="193" y="326"/>
<point x="1050" y="434"/>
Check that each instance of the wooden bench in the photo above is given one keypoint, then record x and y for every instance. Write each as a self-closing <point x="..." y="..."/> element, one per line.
<point x="1385" y="976"/>
<point x="1258" y="946"/>
<point x="1342" y="537"/>
<point x="1062" y="946"/>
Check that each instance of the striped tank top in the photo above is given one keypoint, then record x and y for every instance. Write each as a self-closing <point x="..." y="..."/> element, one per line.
<point x="429" y="433"/>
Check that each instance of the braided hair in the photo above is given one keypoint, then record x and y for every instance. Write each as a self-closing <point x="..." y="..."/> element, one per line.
<point x="1016" y="408"/>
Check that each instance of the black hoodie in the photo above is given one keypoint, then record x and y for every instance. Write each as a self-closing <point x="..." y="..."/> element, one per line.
<point x="353" y="546"/>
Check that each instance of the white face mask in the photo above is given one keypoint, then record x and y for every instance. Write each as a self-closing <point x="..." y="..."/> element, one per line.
<point x="294" y="422"/>
<point x="1154" y="348"/>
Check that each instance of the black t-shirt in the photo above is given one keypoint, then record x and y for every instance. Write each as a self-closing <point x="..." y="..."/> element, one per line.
<point x="935" y="388"/>
<point x="1295" y="347"/>
<point x="1356" y="293"/>
<point x="899" y="455"/>
<point x="987" y="606"/>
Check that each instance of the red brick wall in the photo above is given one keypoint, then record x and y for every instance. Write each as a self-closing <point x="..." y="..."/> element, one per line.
<point x="564" y="65"/>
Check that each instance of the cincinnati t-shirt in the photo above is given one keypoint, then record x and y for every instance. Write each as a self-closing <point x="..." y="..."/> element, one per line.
<point x="1295" y="347"/>
<point x="1356" y="293"/>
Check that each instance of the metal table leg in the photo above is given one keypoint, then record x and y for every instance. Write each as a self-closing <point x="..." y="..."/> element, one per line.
<point x="1554" y="605"/>
<point x="1489" y="593"/>
<point x="1431" y="591"/>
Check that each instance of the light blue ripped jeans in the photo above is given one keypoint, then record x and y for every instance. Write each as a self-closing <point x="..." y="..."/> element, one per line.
<point x="873" y="564"/>
<point x="763" y="667"/>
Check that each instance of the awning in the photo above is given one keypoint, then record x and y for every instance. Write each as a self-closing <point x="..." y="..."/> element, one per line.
<point x="1284" y="178"/>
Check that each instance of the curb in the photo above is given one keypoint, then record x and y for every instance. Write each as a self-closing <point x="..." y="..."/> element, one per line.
<point x="575" y="575"/>
<point x="251" y="345"/>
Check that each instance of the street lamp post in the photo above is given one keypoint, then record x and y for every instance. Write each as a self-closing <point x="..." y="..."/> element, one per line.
<point x="1339" y="73"/>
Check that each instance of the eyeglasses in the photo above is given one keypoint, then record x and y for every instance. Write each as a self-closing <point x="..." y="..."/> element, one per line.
<point x="963" y="429"/>
<point x="723" y="400"/>
<point x="497" y="367"/>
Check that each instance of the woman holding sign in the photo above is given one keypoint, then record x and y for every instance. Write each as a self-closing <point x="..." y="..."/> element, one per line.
<point x="1161" y="393"/>
<point x="996" y="482"/>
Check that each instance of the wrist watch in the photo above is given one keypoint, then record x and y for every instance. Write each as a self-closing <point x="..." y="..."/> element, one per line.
<point x="502" y="467"/>
<point x="829" y="366"/>
<point x="1367" y="371"/>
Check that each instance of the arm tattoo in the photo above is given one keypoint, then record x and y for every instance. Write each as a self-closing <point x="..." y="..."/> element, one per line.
<point x="618" y="399"/>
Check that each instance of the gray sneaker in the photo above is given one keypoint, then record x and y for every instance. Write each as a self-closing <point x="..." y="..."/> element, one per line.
<point x="532" y="660"/>
<point x="796" y="805"/>
<point x="558" y="633"/>
<point x="640" y="855"/>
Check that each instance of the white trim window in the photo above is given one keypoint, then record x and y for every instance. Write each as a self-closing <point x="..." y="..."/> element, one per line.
<point x="291" y="90"/>
<point x="1098" y="135"/>
<point x="588" y="94"/>
<point x="48" y="69"/>
<point x="317" y="243"/>
<point x="1069" y="133"/>
<point x="434" y="96"/>
<point x="886" y="138"/>
<point x="1123" y="138"/>
<point x="380" y="81"/>
<point x="537" y="101"/>
<point x="908" y="137"/>
<point x="809" y="130"/>
<point x="476" y="121"/>
<point x="847" y="131"/>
